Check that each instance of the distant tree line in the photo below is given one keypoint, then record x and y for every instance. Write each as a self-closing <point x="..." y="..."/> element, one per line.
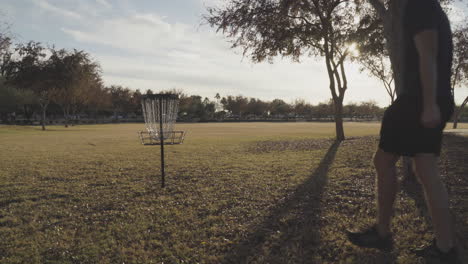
<point x="95" y="102"/>
<point x="65" y="86"/>
<point x="240" y="107"/>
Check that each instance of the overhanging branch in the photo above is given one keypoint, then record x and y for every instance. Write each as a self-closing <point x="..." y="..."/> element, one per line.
<point x="303" y="19"/>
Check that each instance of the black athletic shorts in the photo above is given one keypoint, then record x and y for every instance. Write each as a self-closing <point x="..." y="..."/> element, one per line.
<point x="402" y="132"/>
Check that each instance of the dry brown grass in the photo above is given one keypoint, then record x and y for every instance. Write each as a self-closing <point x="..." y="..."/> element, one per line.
<point x="236" y="193"/>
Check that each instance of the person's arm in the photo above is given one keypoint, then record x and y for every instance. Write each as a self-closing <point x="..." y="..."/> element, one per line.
<point x="427" y="46"/>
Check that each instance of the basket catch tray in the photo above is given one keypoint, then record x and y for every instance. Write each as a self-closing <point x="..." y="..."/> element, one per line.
<point x="171" y="138"/>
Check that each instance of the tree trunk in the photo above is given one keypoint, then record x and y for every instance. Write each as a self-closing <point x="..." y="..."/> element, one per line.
<point x="43" y="117"/>
<point x="65" y="115"/>
<point x="458" y="113"/>
<point x="28" y="112"/>
<point x="393" y="24"/>
<point x="95" y="116"/>
<point x="74" y="113"/>
<point x="337" y="77"/>
<point x="340" y="136"/>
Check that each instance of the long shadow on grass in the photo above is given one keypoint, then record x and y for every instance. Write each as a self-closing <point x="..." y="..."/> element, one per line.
<point x="454" y="168"/>
<point x="290" y="233"/>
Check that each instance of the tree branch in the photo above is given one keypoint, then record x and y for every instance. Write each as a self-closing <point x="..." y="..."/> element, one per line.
<point x="340" y="61"/>
<point x="345" y="79"/>
<point x="337" y="76"/>
<point x="311" y="43"/>
<point x="303" y="19"/>
<point x="455" y="77"/>
<point x="331" y="75"/>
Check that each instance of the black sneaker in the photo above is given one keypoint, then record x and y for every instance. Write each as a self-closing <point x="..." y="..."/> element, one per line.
<point x="432" y="252"/>
<point x="370" y="238"/>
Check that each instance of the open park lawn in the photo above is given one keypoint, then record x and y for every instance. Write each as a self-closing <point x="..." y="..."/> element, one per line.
<point x="236" y="193"/>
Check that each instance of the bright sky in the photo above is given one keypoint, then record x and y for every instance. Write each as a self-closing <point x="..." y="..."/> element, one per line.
<point x="154" y="44"/>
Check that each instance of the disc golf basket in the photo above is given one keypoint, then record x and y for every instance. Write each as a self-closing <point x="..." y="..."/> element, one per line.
<point x="160" y="114"/>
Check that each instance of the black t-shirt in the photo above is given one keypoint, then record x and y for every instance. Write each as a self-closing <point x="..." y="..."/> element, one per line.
<point x="421" y="15"/>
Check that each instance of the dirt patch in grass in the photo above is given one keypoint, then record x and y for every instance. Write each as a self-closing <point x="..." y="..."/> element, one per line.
<point x="269" y="146"/>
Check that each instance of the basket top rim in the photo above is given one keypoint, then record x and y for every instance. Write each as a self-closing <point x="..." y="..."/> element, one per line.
<point x="160" y="96"/>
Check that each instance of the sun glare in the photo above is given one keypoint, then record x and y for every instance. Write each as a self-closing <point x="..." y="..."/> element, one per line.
<point x="353" y="49"/>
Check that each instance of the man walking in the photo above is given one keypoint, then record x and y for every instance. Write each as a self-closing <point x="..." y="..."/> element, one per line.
<point x="413" y="126"/>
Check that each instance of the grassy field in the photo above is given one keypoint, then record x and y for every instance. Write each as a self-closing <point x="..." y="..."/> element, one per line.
<point x="236" y="193"/>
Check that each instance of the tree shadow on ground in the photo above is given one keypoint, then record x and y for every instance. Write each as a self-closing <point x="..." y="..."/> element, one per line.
<point x="290" y="232"/>
<point x="454" y="168"/>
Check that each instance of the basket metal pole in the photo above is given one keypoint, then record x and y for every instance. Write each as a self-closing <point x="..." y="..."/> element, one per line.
<point x="161" y="133"/>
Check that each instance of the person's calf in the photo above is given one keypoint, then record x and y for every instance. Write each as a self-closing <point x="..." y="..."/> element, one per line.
<point x="386" y="189"/>
<point x="436" y="198"/>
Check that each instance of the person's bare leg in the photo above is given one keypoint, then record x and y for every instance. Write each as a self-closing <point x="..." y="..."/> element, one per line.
<point x="436" y="199"/>
<point x="387" y="186"/>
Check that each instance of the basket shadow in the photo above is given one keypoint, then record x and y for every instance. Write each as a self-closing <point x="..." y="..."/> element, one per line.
<point x="290" y="232"/>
